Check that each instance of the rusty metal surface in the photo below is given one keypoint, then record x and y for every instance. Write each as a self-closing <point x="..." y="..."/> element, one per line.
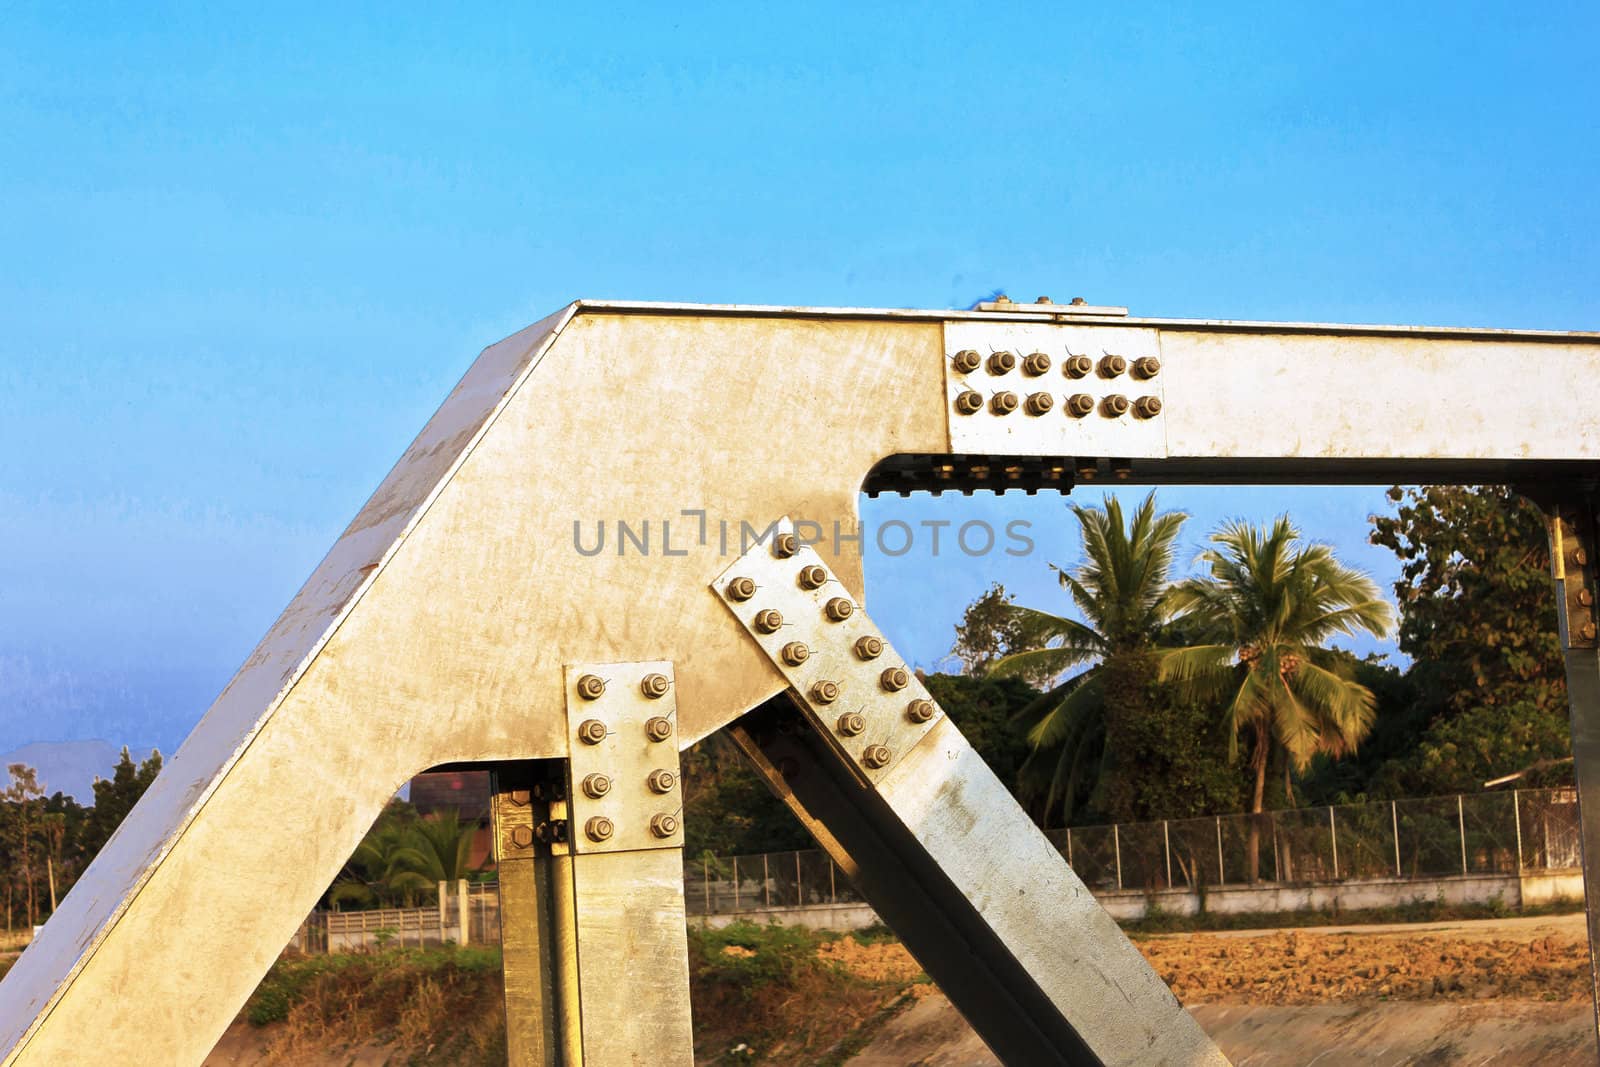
<point x="437" y="628"/>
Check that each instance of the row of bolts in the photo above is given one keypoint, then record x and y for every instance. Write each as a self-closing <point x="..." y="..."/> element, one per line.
<point x="867" y="647"/>
<point x="970" y="401"/>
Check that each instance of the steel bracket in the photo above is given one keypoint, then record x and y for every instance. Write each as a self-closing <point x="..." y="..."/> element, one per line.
<point x="854" y="687"/>
<point x="1573" y="548"/>
<point x="623" y="788"/>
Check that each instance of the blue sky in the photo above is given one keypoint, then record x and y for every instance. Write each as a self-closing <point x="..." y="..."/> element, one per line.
<point x="244" y="254"/>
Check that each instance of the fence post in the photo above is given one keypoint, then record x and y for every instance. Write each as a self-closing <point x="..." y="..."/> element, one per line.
<point x="799" y="894"/>
<point x="705" y="880"/>
<point x="464" y="909"/>
<point x="1333" y="836"/>
<point x="1166" y="841"/>
<point x="1461" y="825"/>
<point x="1222" y="876"/>
<point x="1116" y="845"/>
<point x="1394" y="821"/>
<point x="736" y="883"/>
<point x="1516" y="813"/>
<point x="1277" y="862"/>
<point x="766" y="884"/>
<point x="444" y="906"/>
<point x="833" y="889"/>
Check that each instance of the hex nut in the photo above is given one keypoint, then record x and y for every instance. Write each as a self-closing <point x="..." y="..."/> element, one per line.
<point x="812" y="577"/>
<point x="825" y="692"/>
<point x="838" y="609"/>
<point x="768" y="621"/>
<point x="1114" y="406"/>
<point x="876" y="757"/>
<point x="657" y="728"/>
<point x="919" y="711"/>
<point x="1003" y="403"/>
<point x="596" y="786"/>
<point x="661" y="781"/>
<point x="655" y="686"/>
<point x="1079" y="404"/>
<point x="1580" y="557"/>
<point x="1146" y="367"/>
<point x="590" y="687"/>
<point x="970" y="402"/>
<point x="599" y="828"/>
<point x="552" y="832"/>
<point x="966" y="361"/>
<point x="785" y="545"/>
<point x="592" y="731"/>
<point x="851" y="723"/>
<point x="1585" y="597"/>
<point x="794" y="653"/>
<point x="1111" y="366"/>
<point x="663" y="825"/>
<point x="894" y="679"/>
<point x="522" y="836"/>
<point x="868" y="647"/>
<point x="1147" y="407"/>
<point x="1002" y="362"/>
<point x="1036" y="364"/>
<point x="1077" y="366"/>
<point x="741" y="589"/>
<point x="1039" y="403"/>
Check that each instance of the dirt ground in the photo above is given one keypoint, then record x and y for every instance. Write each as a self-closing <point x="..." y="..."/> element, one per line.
<point x="1501" y="991"/>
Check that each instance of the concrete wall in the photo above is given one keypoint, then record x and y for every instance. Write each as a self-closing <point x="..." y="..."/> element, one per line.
<point x="1528" y="890"/>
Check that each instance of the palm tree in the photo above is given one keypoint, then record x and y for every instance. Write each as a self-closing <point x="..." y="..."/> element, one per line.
<point x="1266" y="609"/>
<point x="1120" y="590"/>
<point x="403" y="857"/>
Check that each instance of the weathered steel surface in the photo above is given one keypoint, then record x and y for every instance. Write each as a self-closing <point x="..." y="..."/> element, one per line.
<point x="437" y="627"/>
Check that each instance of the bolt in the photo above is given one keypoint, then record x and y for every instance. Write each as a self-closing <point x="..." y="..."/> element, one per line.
<point x="1077" y="366"/>
<point x="965" y="361"/>
<point x="768" y="620"/>
<point x="1002" y="362"/>
<point x="894" y="679"/>
<point x="1039" y="403"/>
<point x="825" y="692"/>
<point x="919" y="711"/>
<point x="794" y="653"/>
<point x="657" y="728"/>
<point x="1111" y="366"/>
<point x="518" y="797"/>
<point x="812" y="577"/>
<point x="1147" y="407"/>
<point x="1078" y="301"/>
<point x="590" y="687"/>
<point x="591" y="731"/>
<point x="785" y="545"/>
<point x="1036" y="364"/>
<point x="1580" y="557"/>
<point x="663" y="825"/>
<point x="838" y="609"/>
<point x="661" y="781"/>
<point x="969" y="402"/>
<point x="869" y="647"/>
<point x="852" y="723"/>
<point x="876" y="757"/>
<point x="1585" y="597"/>
<point x="655" y="686"/>
<point x="1146" y="367"/>
<point x="1079" y="404"/>
<point x="552" y="832"/>
<point x="522" y="836"/>
<point x="599" y="828"/>
<point x="1589" y="631"/>
<point x="741" y="589"/>
<point x="596" y="786"/>
<point x="1003" y="403"/>
<point x="1044" y="300"/>
<point x="1114" y="406"/>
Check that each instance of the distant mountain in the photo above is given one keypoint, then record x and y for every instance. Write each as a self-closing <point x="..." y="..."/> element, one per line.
<point x="70" y="766"/>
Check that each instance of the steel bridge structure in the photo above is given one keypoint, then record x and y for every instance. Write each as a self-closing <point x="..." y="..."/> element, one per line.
<point x="457" y="621"/>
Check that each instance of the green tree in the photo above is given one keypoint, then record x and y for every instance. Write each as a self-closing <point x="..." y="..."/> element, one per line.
<point x="404" y="857"/>
<point x="1120" y="589"/>
<point x="22" y="832"/>
<point x="1478" y="617"/>
<point x="1265" y="612"/>
<point x="114" y="797"/>
<point x="989" y="631"/>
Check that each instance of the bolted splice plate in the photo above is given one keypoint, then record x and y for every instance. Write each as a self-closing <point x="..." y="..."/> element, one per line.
<point x="831" y="657"/>
<point x="626" y="754"/>
<point x="1133" y="433"/>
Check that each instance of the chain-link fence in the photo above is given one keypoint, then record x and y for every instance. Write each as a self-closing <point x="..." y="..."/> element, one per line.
<point x="1423" y="838"/>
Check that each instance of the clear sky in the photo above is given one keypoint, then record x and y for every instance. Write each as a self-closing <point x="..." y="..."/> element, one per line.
<point x="243" y="255"/>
